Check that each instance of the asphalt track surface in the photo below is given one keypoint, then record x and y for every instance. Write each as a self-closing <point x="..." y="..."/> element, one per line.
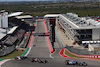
<point x="40" y="50"/>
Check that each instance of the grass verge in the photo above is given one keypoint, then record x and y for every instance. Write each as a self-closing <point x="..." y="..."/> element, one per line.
<point x="71" y="55"/>
<point x="13" y="55"/>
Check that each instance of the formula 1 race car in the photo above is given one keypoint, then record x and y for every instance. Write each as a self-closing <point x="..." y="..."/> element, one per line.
<point x="38" y="60"/>
<point x="20" y="57"/>
<point x="69" y="62"/>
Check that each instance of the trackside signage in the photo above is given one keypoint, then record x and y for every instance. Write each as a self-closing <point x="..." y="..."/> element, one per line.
<point x="36" y="34"/>
<point x="27" y="34"/>
<point x="41" y="34"/>
<point x="47" y="34"/>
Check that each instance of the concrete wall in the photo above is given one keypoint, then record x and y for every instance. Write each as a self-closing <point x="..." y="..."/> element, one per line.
<point x="96" y="34"/>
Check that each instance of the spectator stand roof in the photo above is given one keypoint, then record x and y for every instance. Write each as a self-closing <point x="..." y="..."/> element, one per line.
<point x="51" y="15"/>
<point x="2" y="30"/>
<point x="12" y="30"/>
<point x="80" y="22"/>
<point x="2" y="33"/>
<point x="15" y="14"/>
<point x="23" y="17"/>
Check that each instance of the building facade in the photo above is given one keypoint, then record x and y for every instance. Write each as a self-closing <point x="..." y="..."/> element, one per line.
<point x="78" y="29"/>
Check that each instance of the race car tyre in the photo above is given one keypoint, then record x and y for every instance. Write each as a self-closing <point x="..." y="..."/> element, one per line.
<point x="46" y="61"/>
<point x="15" y="58"/>
<point x="84" y="65"/>
<point x="67" y="62"/>
<point x="32" y="60"/>
<point x="80" y="63"/>
<point x="25" y="57"/>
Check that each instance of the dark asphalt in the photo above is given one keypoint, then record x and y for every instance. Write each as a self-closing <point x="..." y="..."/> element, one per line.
<point x="41" y="50"/>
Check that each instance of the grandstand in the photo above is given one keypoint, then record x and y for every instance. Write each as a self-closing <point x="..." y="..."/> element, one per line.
<point x="12" y="35"/>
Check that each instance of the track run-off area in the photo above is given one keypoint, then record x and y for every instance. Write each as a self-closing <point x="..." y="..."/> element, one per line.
<point x="40" y="47"/>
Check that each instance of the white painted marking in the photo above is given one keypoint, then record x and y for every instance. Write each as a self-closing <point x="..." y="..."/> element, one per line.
<point x="28" y="51"/>
<point x="2" y="62"/>
<point x="51" y="56"/>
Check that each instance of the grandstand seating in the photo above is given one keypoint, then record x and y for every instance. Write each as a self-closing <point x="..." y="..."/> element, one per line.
<point x="10" y="40"/>
<point x="14" y="21"/>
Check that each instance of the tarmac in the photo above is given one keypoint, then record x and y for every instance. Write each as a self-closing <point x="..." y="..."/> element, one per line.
<point x="40" y="49"/>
